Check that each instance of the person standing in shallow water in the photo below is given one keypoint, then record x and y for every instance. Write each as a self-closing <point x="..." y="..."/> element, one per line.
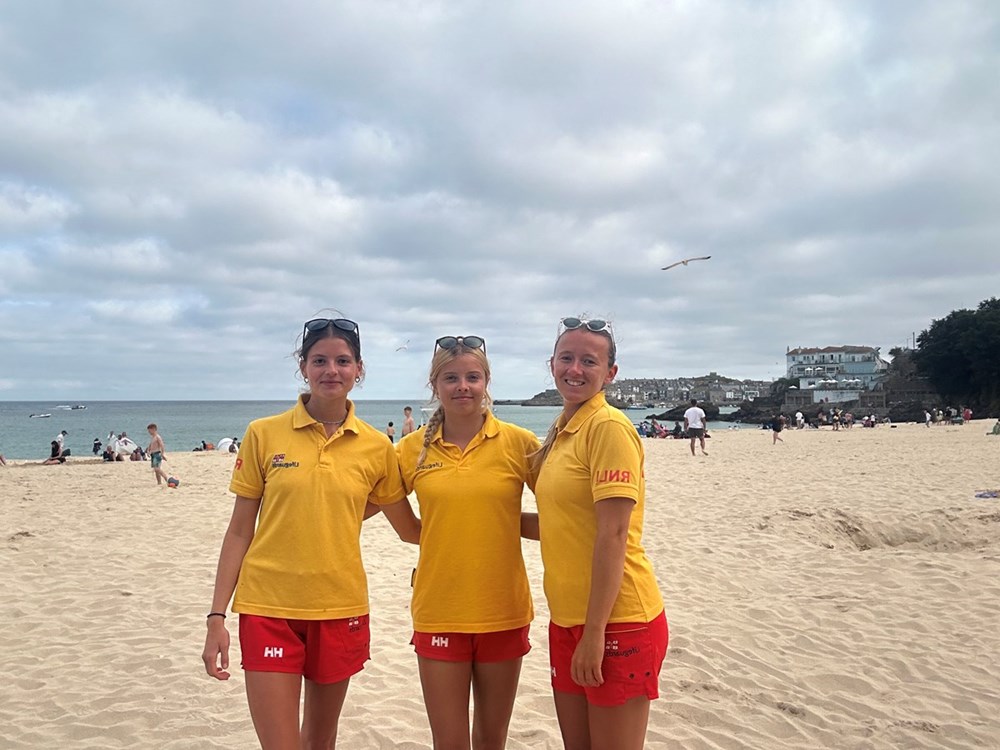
<point x="304" y="481"/>
<point x="608" y="632"/>
<point x="471" y="600"/>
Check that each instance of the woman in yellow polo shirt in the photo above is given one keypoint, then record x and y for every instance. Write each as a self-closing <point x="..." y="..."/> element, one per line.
<point x="608" y="633"/>
<point x="471" y="602"/>
<point x="304" y="481"/>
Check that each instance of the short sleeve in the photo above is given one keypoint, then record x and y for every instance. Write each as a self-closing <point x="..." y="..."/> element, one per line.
<point x="248" y="472"/>
<point x="389" y="489"/>
<point x="615" y="460"/>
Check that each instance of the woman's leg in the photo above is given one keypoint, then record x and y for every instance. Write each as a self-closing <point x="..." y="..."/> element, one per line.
<point x="619" y="727"/>
<point x="574" y="720"/>
<point x="446" y="696"/>
<point x="274" y="708"/>
<point x="494" y="685"/>
<point x="321" y="714"/>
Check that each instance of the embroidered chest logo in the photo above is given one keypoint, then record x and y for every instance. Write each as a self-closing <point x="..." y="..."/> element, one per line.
<point x="278" y="462"/>
<point x="427" y="467"/>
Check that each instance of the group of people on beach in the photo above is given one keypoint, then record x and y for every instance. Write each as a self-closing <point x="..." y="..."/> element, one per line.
<point x="291" y="563"/>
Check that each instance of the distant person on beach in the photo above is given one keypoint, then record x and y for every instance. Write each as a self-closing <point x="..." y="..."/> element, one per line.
<point x="97" y="446"/>
<point x="56" y="456"/>
<point x="927" y="418"/>
<point x="60" y="440"/>
<point x="471" y="600"/>
<point x="777" y="425"/>
<point x="695" y="425"/>
<point x="390" y="432"/>
<point x="304" y="480"/>
<point x="157" y="454"/>
<point x="408" y="424"/>
<point x="3" y="461"/>
<point x="608" y="632"/>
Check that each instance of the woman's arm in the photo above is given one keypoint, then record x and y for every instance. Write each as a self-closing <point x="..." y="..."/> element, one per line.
<point x="240" y="533"/>
<point x="529" y="525"/>
<point x="607" y="570"/>
<point x="400" y="515"/>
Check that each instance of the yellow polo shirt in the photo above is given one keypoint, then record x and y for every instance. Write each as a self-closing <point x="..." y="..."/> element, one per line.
<point x="596" y="455"/>
<point x="305" y="559"/>
<point x="470" y="575"/>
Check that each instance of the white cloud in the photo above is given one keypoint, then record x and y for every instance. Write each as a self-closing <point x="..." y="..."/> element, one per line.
<point x="432" y="168"/>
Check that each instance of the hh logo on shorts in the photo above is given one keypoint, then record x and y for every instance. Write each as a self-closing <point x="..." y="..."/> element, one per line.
<point x="605" y="476"/>
<point x="439" y="642"/>
<point x="273" y="652"/>
<point x="354" y="624"/>
<point x="278" y="462"/>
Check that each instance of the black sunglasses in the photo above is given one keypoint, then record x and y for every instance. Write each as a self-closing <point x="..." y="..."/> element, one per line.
<point x="596" y="325"/>
<point x="450" y="342"/>
<point x="321" y="324"/>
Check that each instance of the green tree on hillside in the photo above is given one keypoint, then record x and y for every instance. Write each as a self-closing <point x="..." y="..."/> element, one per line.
<point x="960" y="355"/>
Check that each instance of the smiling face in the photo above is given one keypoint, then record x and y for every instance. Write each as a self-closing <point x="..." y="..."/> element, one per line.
<point x="581" y="367"/>
<point x="330" y="368"/>
<point x="460" y="385"/>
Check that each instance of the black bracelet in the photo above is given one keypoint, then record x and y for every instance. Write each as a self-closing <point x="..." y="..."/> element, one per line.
<point x="216" y="614"/>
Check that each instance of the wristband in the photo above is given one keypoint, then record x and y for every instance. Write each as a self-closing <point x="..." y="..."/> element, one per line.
<point x="216" y="614"/>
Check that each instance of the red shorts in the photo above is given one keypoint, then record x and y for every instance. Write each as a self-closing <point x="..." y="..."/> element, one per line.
<point x="633" y="655"/>
<point x="500" y="645"/>
<point x="323" y="651"/>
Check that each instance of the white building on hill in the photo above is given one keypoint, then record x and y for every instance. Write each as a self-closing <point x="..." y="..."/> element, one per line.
<point x="834" y="374"/>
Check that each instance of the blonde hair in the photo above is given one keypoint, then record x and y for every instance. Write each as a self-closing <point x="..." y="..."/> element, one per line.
<point x="443" y="357"/>
<point x="538" y="457"/>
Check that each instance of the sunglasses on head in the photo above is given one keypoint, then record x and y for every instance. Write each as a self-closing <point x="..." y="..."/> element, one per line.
<point x="450" y="342"/>
<point x="321" y="324"/>
<point x="596" y="325"/>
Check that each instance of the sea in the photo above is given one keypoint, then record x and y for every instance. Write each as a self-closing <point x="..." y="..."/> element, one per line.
<point x="185" y="424"/>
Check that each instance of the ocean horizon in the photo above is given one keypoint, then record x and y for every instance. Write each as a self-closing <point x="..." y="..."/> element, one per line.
<point x="185" y="424"/>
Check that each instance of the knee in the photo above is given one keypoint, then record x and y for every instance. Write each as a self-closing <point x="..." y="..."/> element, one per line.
<point x="315" y="742"/>
<point x="483" y="739"/>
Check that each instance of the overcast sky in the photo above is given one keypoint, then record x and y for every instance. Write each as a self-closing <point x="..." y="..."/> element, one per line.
<point x="183" y="183"/>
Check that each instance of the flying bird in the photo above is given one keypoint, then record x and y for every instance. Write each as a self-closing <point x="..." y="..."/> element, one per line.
<point x="684" y="262"/>
<point x="403" y="347"/>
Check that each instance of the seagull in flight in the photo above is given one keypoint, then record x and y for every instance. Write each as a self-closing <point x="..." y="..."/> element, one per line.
<point x="403" y="347"/>
<point x="684" y="262"/>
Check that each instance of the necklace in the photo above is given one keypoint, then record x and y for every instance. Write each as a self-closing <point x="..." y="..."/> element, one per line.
<point x="334" y="423"/>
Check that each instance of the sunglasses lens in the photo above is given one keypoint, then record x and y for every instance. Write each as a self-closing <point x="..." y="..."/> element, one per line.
<point x="447" y="342"/>
<point x="571" y="323"/>
<point x="473" y="342"/>
<point x="597" y="325"/>
<point x="346" y="325"/>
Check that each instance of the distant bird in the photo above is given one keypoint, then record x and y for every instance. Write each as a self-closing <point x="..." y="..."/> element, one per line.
<point x="684" y="262"/>
<point x="403" y="347"/>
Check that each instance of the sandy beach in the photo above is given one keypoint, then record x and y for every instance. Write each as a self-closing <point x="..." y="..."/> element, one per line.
<point x="840" y="590"/>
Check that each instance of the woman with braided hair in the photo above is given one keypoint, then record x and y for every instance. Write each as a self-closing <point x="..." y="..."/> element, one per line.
<point x="471" y="601"/>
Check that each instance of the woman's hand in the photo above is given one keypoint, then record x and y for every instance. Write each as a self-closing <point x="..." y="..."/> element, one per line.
<point x="585" y="668"/>
<point x="216" y="653"/>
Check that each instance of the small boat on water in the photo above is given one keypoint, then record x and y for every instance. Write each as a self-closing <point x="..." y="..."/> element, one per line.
<point x="38" y="416"/>
<point x="78" y="406"/>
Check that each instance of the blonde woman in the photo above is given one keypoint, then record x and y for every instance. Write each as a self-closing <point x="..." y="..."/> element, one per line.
<point x="471" y="602"/>
<point x="608" y="633"/>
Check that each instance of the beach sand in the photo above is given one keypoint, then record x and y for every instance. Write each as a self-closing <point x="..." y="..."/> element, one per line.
<point x="840" y="590"/>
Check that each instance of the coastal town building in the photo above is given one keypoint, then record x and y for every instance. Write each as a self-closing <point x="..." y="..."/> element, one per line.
<point x="833" y="374"/>
<point x="713" y="388"/>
